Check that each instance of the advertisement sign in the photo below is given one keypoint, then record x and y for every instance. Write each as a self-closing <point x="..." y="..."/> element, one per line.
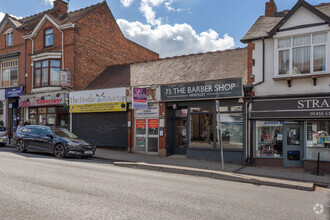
<point x="102" y="100"/>
<point x="65" y="78"/>
<point x="101" y="107"/>
<point x="153" y="123"/>
<point x="14" y="92"/>
<point x="140" y="123"/>
<point x="42" y="100"/>
<point x="151" y="111"/>
<point x="311" y="107"/>
<point x="139" y="100"/>
<point x="226" y="88"/>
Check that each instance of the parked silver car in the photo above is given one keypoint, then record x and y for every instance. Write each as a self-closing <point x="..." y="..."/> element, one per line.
<point x="3" y="136"/>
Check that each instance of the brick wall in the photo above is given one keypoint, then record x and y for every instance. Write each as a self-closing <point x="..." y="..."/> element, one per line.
<point x="269" y="162"/>
<point x="310" y="165"/>
<point x="99" y="42"/>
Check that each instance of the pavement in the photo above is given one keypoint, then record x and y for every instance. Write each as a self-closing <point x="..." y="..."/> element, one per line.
<point x="279" y="177"/>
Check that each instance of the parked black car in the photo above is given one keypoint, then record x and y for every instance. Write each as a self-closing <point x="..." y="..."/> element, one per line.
<point x="58" y="141"/>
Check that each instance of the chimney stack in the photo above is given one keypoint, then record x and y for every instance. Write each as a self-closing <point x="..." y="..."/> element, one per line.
<point x="271" y="8"/>
<point x="62" y="6"/>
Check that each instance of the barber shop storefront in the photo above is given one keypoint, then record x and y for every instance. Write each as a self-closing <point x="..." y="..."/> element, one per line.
<point x="290" y="132"/>
<point x="191" y="119"/>
<point x="46" y="109"/>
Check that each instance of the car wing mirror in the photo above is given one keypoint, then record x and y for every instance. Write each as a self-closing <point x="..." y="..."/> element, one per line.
<point x="50" y="136"/>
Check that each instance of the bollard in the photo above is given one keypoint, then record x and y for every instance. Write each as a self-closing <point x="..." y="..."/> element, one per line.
<point x="318" y="166"/>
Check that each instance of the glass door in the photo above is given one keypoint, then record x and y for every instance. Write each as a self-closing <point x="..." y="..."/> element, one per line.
<point x="146" y="135"/>
<point x="293" y="152"/>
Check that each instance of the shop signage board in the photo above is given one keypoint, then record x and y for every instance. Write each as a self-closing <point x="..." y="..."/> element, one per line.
<point x="151" y="111"/>
<point x="307" y="107"/>
<point x="102" y="100"/>
<point x="225" y="88"/>
<point x="139" y="100"/>
<point x="42" y="100"/>
<point x="14" y="92"/>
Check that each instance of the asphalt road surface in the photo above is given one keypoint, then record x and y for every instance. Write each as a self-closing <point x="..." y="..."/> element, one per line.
<point x="37" y="186"/>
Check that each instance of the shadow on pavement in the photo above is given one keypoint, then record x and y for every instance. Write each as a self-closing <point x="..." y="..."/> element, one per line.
<point x="44" y="155"/>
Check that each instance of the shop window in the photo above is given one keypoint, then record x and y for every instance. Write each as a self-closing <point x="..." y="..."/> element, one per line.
<point x="47" y="73"/>
<point x="232" y="131"/>
<point x="302" y="55"/>
<point x="201" y="128"/>
<point x="9" y="73"/>
<point x="318" y="140"/>
<point x="44" y="116"/>
<point x="269" y="138"/>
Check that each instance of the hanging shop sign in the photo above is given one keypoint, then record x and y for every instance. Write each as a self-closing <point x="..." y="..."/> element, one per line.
<point x="102" y="100"/>
<point x="140" y="123"/>
<point x="225" y="88"/>
<point x="14" y="92"/>
<point x="151" y="111"/>
<point x="153" y="123"/>
<point x="139" y="100"/>
<point x="44" y="100"/>
<point x="309" y="107"/>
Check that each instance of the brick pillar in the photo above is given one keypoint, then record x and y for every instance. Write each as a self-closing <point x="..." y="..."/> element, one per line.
<point x="162" y="140"/>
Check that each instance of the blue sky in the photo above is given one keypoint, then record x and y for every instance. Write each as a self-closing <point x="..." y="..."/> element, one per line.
<point x="172" y="27"/>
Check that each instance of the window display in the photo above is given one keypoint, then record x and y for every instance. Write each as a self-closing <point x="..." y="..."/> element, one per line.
<point x="269" y="138"/>
<point x="318" y="140"/>
<point x="232" y="130"/>
<point x="201" y="130"/>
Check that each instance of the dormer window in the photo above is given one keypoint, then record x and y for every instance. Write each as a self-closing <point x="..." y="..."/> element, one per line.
<point x="9" y="37"/>
<point x="302" y="54"/>
<point x="48" y="37"/>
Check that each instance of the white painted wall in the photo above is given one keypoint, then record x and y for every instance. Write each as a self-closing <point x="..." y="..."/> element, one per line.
<point x="280" y="87"/>
<point x="302" y="17"/>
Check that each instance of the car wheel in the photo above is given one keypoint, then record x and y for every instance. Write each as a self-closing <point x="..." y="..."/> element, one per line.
<point x="59" y="151"/>
<point x="21" y="146"/>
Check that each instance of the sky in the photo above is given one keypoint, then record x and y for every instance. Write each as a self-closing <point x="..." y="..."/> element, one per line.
<point x="171" y="27"/>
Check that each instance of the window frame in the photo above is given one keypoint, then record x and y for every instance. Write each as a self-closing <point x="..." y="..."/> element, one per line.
<point x="45" y="35"/>
<point x="9" y="64"/>
<point x="311" y="45"/>
<point x="49" y="68"/>
<point x="11" y="38"/>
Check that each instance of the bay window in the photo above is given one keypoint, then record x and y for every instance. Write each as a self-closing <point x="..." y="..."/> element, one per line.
<point x="302" y="55"/>
<point x="47" y="73"/>
<point x="9" y="73"/>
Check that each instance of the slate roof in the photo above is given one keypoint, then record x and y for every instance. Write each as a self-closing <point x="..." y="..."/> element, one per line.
<point x="29" y="23"/>
<point x="110" y="77"/>
<point x="191" y="68"/>
<point x="263" y="25"/>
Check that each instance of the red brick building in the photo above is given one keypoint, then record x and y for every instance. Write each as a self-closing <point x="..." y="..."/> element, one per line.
<point x="56" y="51"/>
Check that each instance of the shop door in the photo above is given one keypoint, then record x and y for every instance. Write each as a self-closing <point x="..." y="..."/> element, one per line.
<point x="181" y="133"/>
<point x="293" y="146"/>
<point x="146" y="135"/>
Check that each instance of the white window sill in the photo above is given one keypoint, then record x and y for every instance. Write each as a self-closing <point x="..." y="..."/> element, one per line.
<point x="300" y="76"/>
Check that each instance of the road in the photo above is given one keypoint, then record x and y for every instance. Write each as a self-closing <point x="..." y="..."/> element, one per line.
<point x="38" y="186"/>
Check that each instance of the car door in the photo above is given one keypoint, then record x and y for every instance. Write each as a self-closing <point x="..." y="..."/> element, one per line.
<point x="47" y="140"/>
<point x="34" y="141"/>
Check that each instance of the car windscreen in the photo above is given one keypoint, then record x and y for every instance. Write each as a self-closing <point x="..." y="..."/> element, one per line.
<point x="64" y="133"/>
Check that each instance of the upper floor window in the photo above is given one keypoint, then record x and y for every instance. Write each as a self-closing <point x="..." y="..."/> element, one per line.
<point x="9" y="73"/>
<point x="48" y="37"/>
<point x="47" y="73"/>
<point x="9" y="37"/>
<point x="302" y="55"/>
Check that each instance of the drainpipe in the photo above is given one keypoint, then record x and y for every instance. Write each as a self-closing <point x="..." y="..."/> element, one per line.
<point x="62" y="48"/>
<point x="32" y="64"/>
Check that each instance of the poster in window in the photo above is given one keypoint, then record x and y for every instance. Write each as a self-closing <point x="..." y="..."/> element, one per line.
<point x="140" y="123"/>
<point x="153" y="123"/>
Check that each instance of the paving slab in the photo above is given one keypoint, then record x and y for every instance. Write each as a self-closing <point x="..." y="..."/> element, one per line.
<point x="220" y="175"/>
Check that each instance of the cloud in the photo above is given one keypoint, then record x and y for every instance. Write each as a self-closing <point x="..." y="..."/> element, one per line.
<point x="126" y="3"/>
<point x="179" y="39"/>
<point x="49" y="2"/>
<point x="1" y="15"/>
